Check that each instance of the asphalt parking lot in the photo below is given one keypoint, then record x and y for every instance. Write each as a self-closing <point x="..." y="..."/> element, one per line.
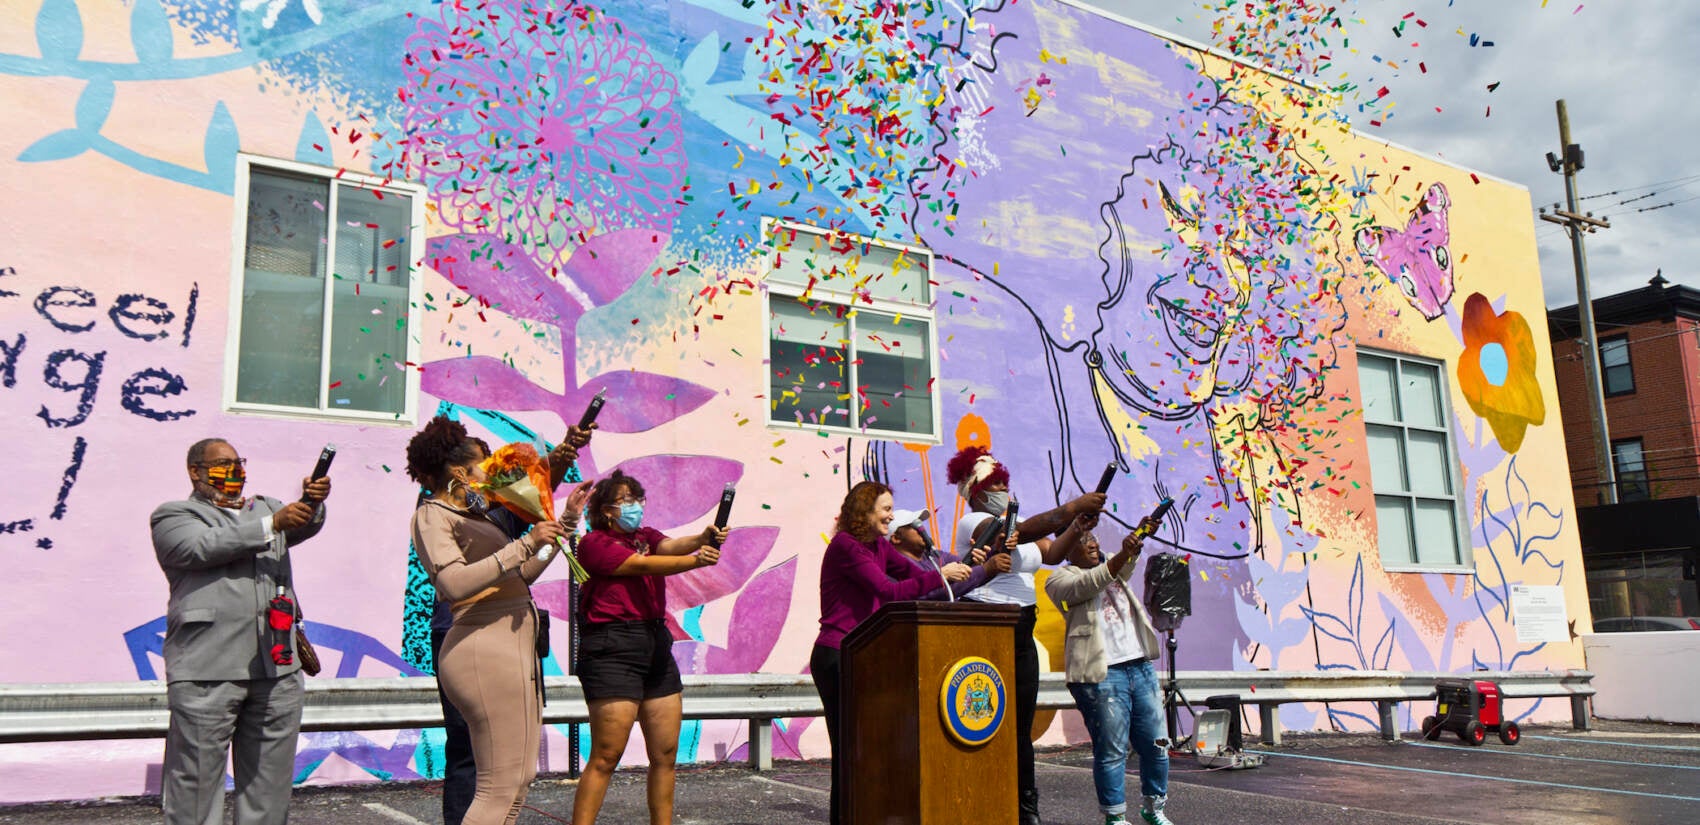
<point x="1621" y="773"/>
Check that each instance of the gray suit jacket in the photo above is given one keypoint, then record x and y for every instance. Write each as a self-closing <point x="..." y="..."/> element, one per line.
<point x="223" y="574"/>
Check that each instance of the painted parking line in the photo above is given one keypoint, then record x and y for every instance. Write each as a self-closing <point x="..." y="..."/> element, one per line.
<point x="792" y="785"/>
<point x="1508" y="752"/>
<point x="392" y="814"/>
<point x="1592" y="741"/>
<point x="1454" y="775"/>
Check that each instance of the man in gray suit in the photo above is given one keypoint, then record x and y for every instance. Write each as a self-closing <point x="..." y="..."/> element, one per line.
<point x="231" y="667"/>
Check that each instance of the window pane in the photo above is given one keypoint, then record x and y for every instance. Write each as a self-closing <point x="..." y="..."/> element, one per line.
<point x="1619" y="379"/>
<point x="1422" y="394"/>
<point x="283" y="291"/>
<point x="1386" y="459"/>
<point x="798" y="256"/>
<point x="894" y="374"/>
<point x="1615" y="372"/>
<point x="848" y="266"/>
<point x="1615" y="352"/>
<point x="1630" y="467"/>
<point x="1393" y="527"/>
<point x="369" y="302"/>
<point x="809" y="381"/>
<point x="895" y="274"/>
<point x="1430" y="465"/>
<point x="1375" y="373"/>
<point x="1437" y="532"/>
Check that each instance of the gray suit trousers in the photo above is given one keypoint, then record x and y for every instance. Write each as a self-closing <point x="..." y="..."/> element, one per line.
<point x="261" y="718"/>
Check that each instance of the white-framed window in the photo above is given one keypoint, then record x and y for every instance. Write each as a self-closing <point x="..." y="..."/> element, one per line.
<point x="324" y="295"/>
<point x="852" y="345"/>
<point x="1420" y="514"/>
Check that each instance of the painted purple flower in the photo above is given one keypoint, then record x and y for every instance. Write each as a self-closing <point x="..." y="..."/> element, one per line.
<point x="545" y="124"/>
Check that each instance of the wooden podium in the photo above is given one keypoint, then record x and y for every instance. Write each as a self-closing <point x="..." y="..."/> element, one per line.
<point x="902" y="762"/>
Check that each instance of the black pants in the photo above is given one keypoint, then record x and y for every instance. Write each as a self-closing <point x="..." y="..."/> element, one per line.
<point x="823" y="666"/>
<point x="460" y="773"/>
<point x="1026" y="698"/>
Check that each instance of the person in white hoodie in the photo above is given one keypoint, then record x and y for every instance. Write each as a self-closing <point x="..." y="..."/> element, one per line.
<point x="1110" y="651"/>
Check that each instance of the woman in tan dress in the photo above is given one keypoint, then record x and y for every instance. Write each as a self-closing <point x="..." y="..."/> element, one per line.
<point x="488" y="666"/>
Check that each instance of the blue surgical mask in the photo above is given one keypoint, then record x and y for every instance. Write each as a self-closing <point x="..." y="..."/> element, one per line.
<point x="475" y="502"/>
<point x="631" y="516"/>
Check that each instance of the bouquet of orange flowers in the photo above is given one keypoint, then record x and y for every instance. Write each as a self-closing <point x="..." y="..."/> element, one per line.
<point x="518" y="478"/>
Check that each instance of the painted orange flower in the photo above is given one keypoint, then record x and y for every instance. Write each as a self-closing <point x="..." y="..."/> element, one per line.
<point x="1497" y="371"/>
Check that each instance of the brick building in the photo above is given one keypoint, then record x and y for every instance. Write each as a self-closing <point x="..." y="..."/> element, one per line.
<point x="1641" y="553"/>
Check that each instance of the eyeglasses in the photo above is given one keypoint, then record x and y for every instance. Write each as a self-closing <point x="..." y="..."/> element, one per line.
<point x="224" y="463"/>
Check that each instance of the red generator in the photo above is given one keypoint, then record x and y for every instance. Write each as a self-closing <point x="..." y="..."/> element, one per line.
<point x="1470" y="708"/>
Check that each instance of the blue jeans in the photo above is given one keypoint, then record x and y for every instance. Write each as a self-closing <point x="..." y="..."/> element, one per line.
<point x="1126" y="707"/>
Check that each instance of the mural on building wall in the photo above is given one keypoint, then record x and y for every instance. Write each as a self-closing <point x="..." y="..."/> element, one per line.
<point x="1144" y="256"/>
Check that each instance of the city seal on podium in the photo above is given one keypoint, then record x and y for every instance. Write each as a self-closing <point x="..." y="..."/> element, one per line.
<point x="972" y="701"/>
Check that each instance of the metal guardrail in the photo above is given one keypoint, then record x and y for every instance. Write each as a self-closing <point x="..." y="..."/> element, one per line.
<point x="137" y="710"/>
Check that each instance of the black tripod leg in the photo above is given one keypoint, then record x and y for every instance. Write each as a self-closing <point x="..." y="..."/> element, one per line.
<point x="1174" y="699"/>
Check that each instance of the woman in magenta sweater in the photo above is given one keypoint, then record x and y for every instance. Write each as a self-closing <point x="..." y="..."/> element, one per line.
<point x="860" y="572"/>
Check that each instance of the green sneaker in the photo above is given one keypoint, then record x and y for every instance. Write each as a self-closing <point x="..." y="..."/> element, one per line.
<point x="1115" y="819"/>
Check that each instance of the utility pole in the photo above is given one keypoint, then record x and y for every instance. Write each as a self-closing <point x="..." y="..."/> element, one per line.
<point x="1575" y="224"/>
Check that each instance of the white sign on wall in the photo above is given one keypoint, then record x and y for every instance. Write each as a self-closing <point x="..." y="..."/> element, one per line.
<point x="1538" y="613"/>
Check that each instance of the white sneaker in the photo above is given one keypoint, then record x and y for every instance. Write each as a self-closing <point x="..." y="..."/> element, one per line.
<point x="1152" y="811"/>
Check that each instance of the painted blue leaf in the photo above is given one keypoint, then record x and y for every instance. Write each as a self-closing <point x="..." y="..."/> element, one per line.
<point x="150" y="32"/>
<point x="1329" y="625"/>
<point x="59" y="30"/>
<point x="94" y="104"/>
<point x="1406" y="637"/>
<point x="314" y="144"/>
<point x="1355" y="597"/>
<point x="66" y="143"/>
<point x="221" y="146"/>
<point x="1383" y="653"/>
<point x="700" y="65"/>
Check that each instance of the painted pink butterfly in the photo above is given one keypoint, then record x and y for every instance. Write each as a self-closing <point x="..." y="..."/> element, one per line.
<point x="1416" y="258"/>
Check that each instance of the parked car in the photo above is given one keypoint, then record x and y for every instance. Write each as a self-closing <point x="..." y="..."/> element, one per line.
<point x="1642" y="624"/>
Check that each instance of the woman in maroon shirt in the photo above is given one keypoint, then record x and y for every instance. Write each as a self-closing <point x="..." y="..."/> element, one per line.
<point x="625" y="653"/>
<point x="860" y="572"/>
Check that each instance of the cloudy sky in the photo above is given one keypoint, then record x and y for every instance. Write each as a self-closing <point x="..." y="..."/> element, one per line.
<point x="1623" y="67"/>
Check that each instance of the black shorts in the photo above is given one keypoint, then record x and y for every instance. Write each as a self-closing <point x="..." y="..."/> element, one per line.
<point x="627" y="660"/>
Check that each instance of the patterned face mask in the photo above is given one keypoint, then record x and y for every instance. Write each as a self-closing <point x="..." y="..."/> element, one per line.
<point x="227" y="482"/>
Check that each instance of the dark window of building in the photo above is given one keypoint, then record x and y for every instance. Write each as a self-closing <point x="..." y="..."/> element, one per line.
<point x="1630" y="466"/>
<point x="1615" y="372"/>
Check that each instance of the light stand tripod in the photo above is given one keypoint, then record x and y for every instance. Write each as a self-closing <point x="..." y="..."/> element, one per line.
<point x="1173" y="698"/>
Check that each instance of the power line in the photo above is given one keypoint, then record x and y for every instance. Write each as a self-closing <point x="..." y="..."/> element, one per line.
<point x="1628" y="189"/>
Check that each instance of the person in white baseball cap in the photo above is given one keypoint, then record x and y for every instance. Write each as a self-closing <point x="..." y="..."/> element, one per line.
<point x="909" y="535"/>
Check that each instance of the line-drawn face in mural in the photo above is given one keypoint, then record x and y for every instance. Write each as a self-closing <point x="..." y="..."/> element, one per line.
<point x="1212" y="341"/>
<point x="1213" y="318"/>
<point x="1416" y="258"/>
